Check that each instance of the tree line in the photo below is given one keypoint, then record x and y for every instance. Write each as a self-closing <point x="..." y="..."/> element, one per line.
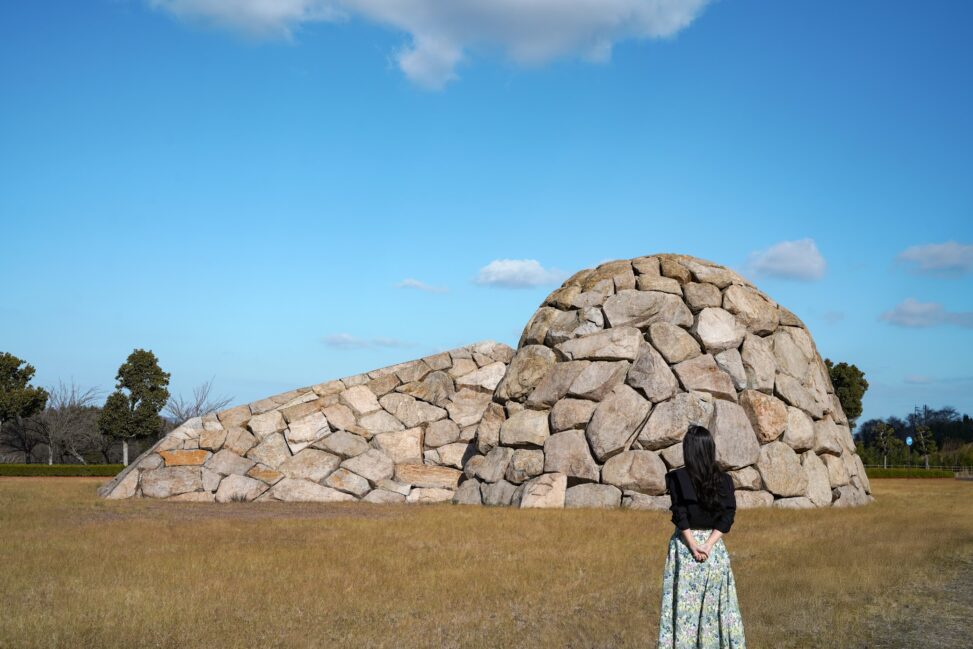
<point x="64" y="423"/>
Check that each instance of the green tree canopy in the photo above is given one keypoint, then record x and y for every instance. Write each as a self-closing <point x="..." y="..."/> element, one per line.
<point x="132" y="410"/>
<point x="850" y="386"/>
<point x="18" y="399"/>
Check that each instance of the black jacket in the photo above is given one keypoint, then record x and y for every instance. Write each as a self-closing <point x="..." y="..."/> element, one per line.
<point x="687" y="511"/>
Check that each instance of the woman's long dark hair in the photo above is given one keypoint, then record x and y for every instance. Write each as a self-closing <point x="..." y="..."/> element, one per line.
<point x="699" y="453"/>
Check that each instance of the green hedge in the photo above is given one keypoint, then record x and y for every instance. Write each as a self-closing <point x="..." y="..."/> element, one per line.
<point x="879" y="472"/>
<point x="61" y="470"/>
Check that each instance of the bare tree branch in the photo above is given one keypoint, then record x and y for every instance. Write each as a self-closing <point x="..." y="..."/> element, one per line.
<point x="179" y="409"/>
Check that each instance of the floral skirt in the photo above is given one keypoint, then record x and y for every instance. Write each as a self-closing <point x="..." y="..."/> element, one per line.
<point x="699" y="599"/>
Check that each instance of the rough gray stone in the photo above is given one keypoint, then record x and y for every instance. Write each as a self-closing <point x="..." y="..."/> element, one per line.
<point x="598" y="379"/>
<point x="171" y="481"/>
<point x="826" y="437"/>
<point x="640" y="471"/>
<point x="571" y="413"/>
<point x="343" y="444"/>
<point x="717" y="330"/>
<point x="729" y="361"/>
<point x="373" y="465"/>
<point x="639" y="501"/>
<point x="598" y="496"/>
<point x="545" y="491"/>
<point x="467" y="407"/>
<point x="272" y="451"/>
<point x="616" y="344"/>
<point x="670" y="420"/>
<point x="555" y="385"/>
<point x="494" y="465"/>
<point x="651" y="376"/>
<point x="527" y="427"/>
<point x="699" y="296"/>
<point x="227" y="462"/>
<point x="753" y="499"/>
<point x="528" y="368"/>
<point x="298" y="490"/>
<point x="799" y="430"/>
<point x="736" y="443"/>
<point x="818" y="481"/>
<point x="498" y="493"/>
<point x="310" y="464"/>
<point x="759" y="363"/>
<point x="345" y="480"/>
<point x="704" y="375"/>
<point x="674" y="343"/>
<point x="403" y="446"/>
<point x="747" y="478"/>
<point x="752" y="308"/>
<point x="641" y="308"/>
<point x="468" y="493"/>
<point x="524" y="464"/>
<point x="239" y="488"/>
<point x="781" y="471"/>
<point x="568" y="453"/>
<point x="767" y="414"/>
<point x="616" y="422"/>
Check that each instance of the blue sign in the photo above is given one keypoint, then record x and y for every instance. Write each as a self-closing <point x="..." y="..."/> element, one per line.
<point x="908" y="440"/>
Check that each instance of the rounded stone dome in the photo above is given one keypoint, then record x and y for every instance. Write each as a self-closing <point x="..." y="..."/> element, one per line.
<point x="616" y="364"/>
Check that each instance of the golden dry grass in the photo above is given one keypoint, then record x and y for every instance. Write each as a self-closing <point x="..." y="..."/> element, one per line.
<point x="78" y="571"/>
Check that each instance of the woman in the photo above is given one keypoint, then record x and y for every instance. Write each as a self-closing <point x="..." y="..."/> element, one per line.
<point x="699" y="599"/>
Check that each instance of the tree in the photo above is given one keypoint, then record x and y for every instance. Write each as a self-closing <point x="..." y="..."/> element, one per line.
<point x="65" y="424"/>
<point x="924" y="442"/>
<point x="850" y="386"/>
<point x="132" y="410"/>
<point x="885" y="441"/>
<point x="181" y="410"/>
<point x="19" y="400"/>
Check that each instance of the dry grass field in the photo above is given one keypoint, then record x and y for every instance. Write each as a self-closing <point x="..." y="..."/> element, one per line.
<point x="78" y="571"/>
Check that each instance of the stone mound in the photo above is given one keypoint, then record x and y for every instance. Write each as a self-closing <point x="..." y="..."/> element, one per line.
<point x="590" y="410"/>
<point x="395" y="434"/>
<point x="616" y="364"/>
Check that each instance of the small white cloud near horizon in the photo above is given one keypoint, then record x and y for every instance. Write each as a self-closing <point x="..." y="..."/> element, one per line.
<point x="798" y="259"/>
<point x="950" y="258"/>
<point x="347" y="341"/>
<point x="915" y="314"/>
<point x="409" y="282"/>
<point x="918" y="379"/>
<point x="517" y="273"/>
<point x="441" y="34"/>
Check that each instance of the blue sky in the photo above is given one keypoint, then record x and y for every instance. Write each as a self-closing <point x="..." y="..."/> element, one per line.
<point x="254" y="194"/>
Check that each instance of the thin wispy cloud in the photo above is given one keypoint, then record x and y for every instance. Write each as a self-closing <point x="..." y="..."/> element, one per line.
<point x="409" y="282"/>
<point x="442" y="34"/>
<point x="799" y="259"/>
<point x="950" y="258"/>
<point x="915" y="314"/>
<point x="517" y="273"/>
<point x="918" y="379"/>
<point x="347" y="341"/>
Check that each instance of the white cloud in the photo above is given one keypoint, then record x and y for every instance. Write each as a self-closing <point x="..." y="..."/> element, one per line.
<point x="918" y="379"/>
<point x="517" y="273"/>
<point x="912" y="313"/>
<point x="347" y="341"/>
<point x="409" y="282"/>
<point x="789" y="259"/>
<point x="442" y="32"/>
<point x="949" y="258"/>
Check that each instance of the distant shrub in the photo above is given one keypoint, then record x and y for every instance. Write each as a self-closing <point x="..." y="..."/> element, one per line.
<point x="878" y="472"/>
<point x="61" y="470"/>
